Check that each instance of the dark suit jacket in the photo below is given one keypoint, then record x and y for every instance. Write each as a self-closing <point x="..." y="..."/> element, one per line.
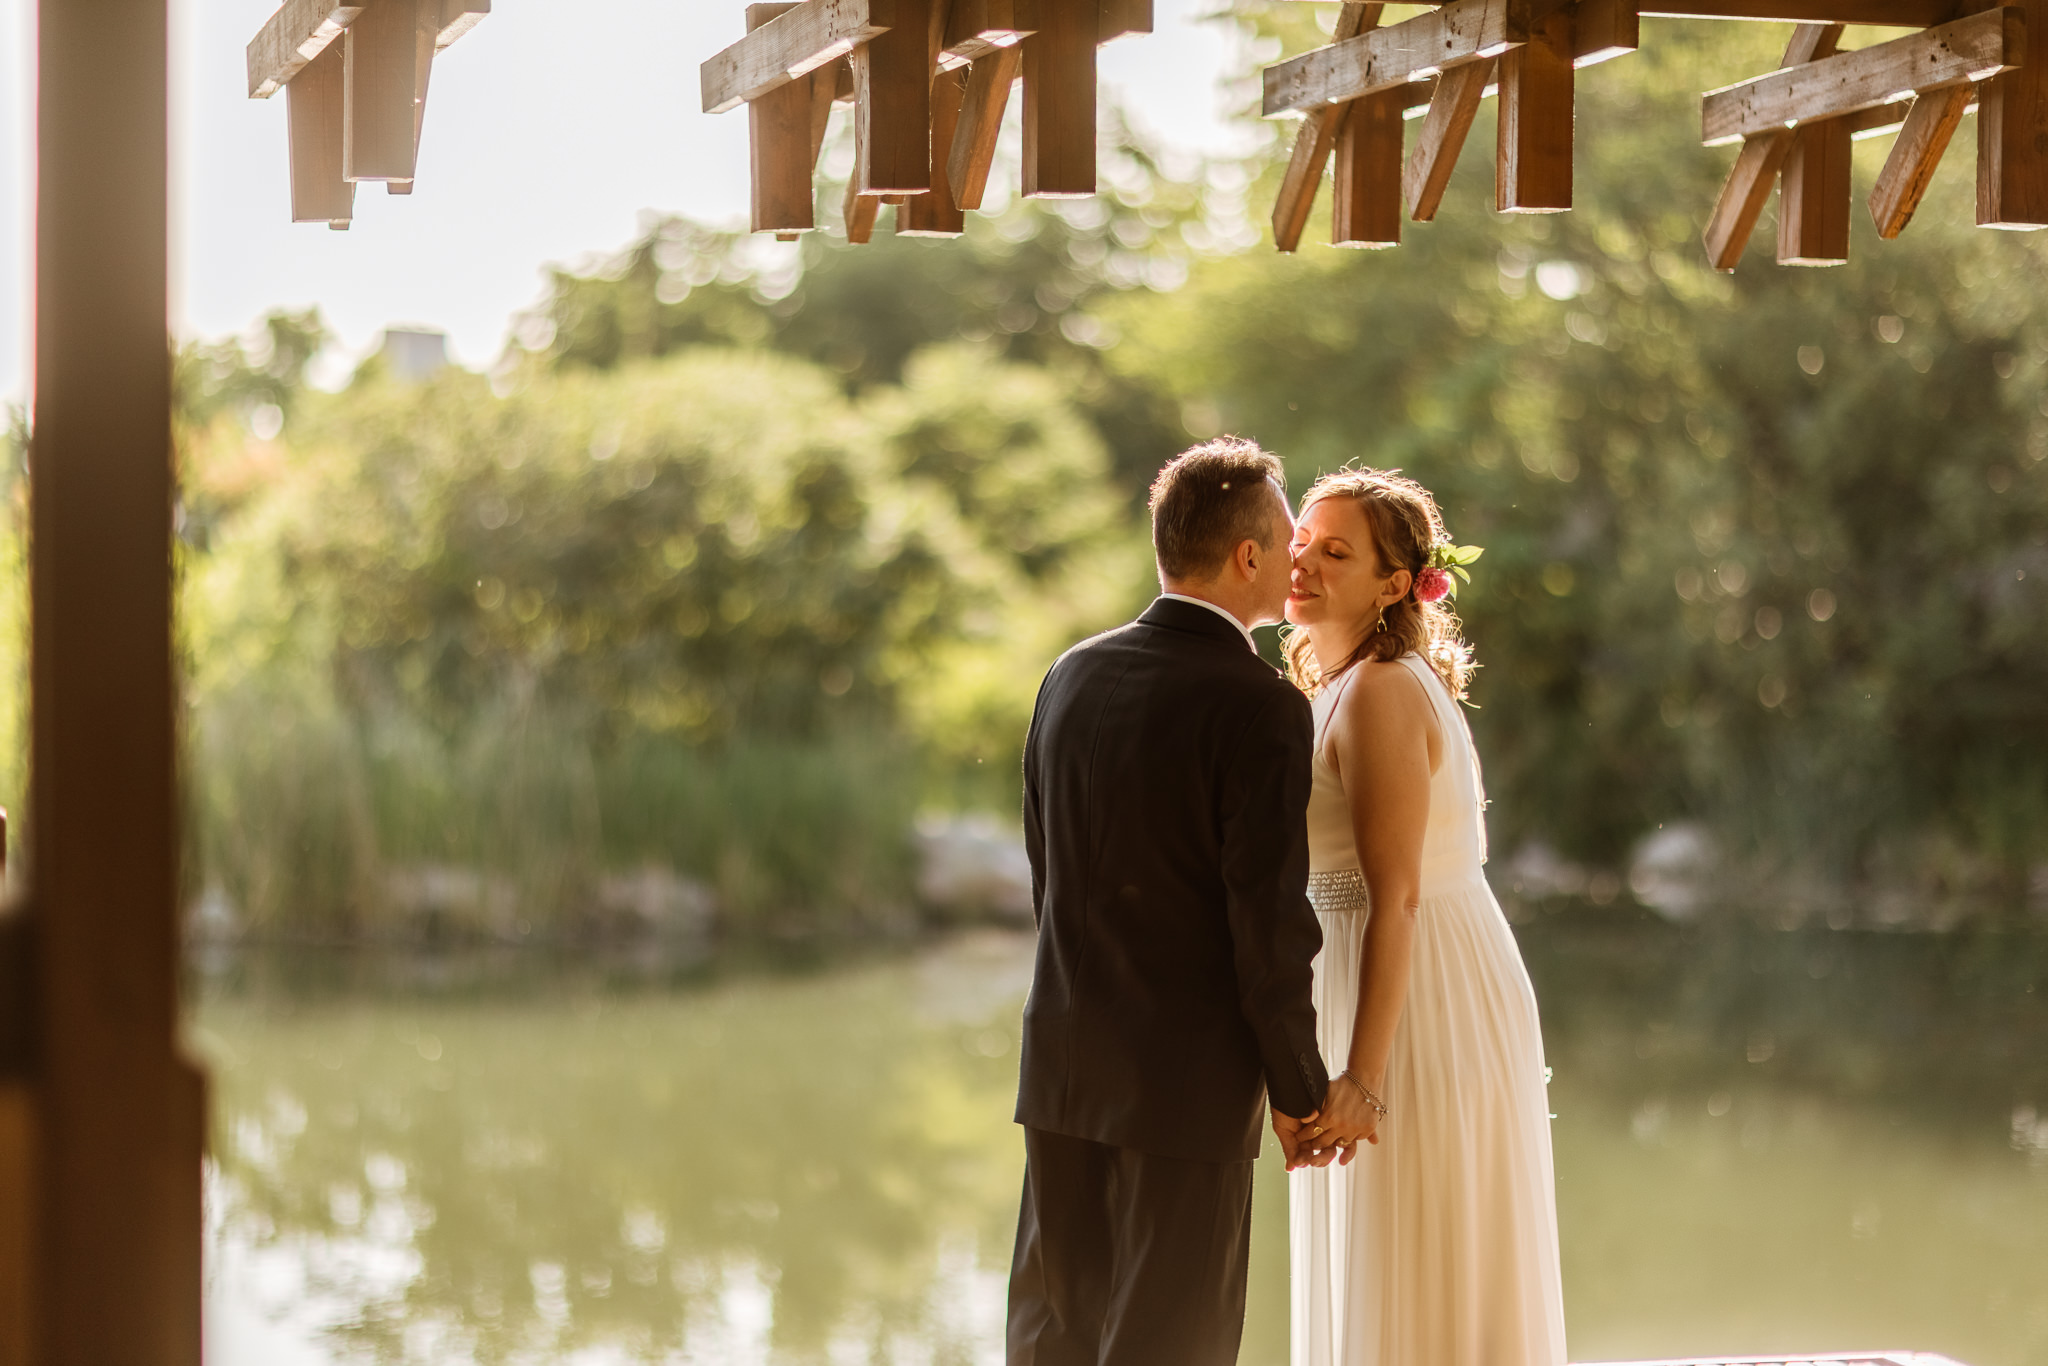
<point x="1166" y="783"/>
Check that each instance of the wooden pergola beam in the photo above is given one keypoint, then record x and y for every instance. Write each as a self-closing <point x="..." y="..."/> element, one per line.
<point x="315" y="107"/>
<point x="795" y="44"/>
<point x="1955" y="53"/>
<point x="300" y="31"/>
<point x="1533" y="156"/>
<point x="1313" y="142"/>
<point x="1366" y="203"/>
<point x="2012" y="127"/>
<point x="781" y="151"/>
<point x="1059" y="99"/>
<point x="1813" y="196"/>
<point x="1929" y="126"/>
<point x="1461" y="32"/>
<point x="937" y="214"/>
<point x="892" y="101"/>
<point x="1756" y="168"/>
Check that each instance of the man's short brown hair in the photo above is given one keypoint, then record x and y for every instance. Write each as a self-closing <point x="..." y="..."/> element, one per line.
<point x="1211" y="499"/>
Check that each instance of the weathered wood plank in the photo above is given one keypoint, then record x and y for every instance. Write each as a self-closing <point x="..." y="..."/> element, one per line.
<point x="795" y="44"/>
<point x="892" y="103"/>
<point x="937" y="214"/>
<point x="314" y="104"/>
<point x="1451" y="111"/>
<point x="973" y="153"/>
<point x="1755" y="172"/>
<point x="1312" y="144"/>
<point x="2012" y="131"/>
<point x="382" y="84"/>
<point x="1059" y="100"/>
<point x="1952" y="54"/>
<point x="17" y="1217"/>
<point x="1813" y="196"/>
<point x="1462" y="31"/>
<point x="1902" y="183"/>
<point x="300" y="31"/>
<point x="1533" y="155"/>
<point x="1366" y="199"/>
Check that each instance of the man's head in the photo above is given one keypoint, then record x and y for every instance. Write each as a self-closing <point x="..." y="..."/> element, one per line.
<point x="1220" y="528"/>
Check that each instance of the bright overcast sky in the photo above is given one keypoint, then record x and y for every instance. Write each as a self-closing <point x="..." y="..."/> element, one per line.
<point x="550" y="129"/>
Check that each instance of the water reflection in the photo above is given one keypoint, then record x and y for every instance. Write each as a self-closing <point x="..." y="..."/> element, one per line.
<point x="1765" y="1142"/>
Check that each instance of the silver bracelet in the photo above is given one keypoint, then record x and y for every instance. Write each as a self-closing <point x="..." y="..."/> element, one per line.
<point x="1379" y="1106"/>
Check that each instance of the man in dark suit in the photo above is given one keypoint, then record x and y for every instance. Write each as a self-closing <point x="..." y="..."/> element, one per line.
<point x="1166" y="785"/>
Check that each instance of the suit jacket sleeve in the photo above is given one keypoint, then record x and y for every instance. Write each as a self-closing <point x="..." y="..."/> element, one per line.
<point x="1034" y="816"/>
<point x="1274" y="933"/>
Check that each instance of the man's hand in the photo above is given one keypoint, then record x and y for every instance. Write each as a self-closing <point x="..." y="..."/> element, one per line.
<point x="1288" y="1130"/>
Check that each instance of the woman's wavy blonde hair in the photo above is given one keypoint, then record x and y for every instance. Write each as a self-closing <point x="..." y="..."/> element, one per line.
<point x="1406" y="526"/>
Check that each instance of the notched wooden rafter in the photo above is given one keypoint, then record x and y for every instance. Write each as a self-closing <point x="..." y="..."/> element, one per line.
<point x="1458" y="93"/>
<point x="1956" y="53"/>
<point x="1755" y="173"/>
<point x="1929" y="126"/>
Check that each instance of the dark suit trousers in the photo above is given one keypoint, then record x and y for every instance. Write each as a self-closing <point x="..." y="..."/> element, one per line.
<point x="1127" y="1259"/>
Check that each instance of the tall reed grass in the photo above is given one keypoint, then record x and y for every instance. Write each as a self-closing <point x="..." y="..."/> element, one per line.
<point x="308" y="820"/>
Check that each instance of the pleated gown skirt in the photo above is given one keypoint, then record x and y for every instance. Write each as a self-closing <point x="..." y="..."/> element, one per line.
<point x="1438" y="1245"/>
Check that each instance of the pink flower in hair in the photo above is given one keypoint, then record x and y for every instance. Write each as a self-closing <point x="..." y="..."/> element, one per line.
<point x="1432" y="585"/>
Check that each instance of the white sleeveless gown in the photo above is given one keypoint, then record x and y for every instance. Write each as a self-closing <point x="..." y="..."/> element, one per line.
<point x="1438" y="1246"/>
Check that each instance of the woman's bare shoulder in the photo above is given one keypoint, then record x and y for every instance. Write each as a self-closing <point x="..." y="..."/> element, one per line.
<point x="1383" y="686"/>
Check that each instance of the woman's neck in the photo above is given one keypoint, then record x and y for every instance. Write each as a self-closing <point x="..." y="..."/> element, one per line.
<point x="1333" y="644"/>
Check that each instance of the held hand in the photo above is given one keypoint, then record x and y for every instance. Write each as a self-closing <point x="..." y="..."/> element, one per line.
<point x="1347" y="1120"/>
<point x="1288" y="1130"/>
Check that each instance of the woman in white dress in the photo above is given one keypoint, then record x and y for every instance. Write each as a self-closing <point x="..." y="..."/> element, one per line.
<point x="1435" y="1244"/>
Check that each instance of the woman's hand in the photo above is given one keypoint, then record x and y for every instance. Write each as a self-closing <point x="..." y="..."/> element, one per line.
<point x="1346" y="1120"/>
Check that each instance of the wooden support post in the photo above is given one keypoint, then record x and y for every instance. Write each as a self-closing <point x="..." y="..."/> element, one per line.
<point x="1312" y="143"/>
<point x="1533" y="159"/>
<point x="1749" y="182"/>
<point x="1813" y="196"/>
<point x="1366" y="203"/>
<point x="1929" y="125"/>
<point x="981" y="119"/>
<point x="781" y="146"/>
<point x="938" y="213"/>
<point x="1451" y="110"/>
<point x="892" y="119"/>
<point x="382" y="83"/>
<point x="2012" y="137"/>
<point x="1059" y="100"/>
<point x="118" y="1116"/>
<point x="314" y="103"/>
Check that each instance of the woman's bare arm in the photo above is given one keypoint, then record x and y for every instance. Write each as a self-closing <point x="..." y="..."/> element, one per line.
<point x="1386" y="743"/>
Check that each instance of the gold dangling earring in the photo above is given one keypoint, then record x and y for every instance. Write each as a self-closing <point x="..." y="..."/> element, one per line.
<point x="1381" y="628"/>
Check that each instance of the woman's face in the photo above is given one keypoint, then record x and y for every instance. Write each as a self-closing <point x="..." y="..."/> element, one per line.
<point x="1337" y="575"/>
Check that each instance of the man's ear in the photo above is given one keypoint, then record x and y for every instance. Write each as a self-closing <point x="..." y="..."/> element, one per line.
<point x="1246" y="560"/>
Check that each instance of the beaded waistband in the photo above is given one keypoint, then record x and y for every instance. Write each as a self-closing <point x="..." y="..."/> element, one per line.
<point x="1342" y="889"/>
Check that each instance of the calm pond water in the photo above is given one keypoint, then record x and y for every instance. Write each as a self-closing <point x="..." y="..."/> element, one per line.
<point x="1766" y="1142"/>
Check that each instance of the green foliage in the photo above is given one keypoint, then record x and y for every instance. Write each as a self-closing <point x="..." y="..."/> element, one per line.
<point x="680" y="613"/>
<point x="1765" y="550"/>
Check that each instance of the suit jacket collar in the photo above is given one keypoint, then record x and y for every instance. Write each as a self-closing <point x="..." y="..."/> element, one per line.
<point x="1193" y="620"/>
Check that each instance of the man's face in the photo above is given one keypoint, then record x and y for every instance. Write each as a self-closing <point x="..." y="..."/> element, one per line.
<point x="1275" y="564"/>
